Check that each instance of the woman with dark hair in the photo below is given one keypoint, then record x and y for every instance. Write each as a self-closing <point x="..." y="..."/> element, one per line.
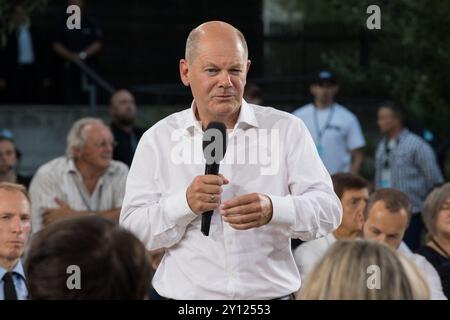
<point x="87" y="258"/>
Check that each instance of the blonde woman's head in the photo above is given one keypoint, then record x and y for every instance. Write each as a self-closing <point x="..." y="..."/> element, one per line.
<point x="363" y="270"/>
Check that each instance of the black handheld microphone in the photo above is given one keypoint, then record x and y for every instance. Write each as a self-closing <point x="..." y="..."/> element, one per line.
<point x="214" y="148"/>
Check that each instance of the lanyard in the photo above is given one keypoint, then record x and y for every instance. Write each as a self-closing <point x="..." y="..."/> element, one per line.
<point x="387" y="152"/>
<point x="440" y="248"/>
<point x="80" y="192"/>
<point x="319" y="131"/>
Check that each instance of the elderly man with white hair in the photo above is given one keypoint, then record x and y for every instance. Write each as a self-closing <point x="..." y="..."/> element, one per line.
<point x="84" y="182"/>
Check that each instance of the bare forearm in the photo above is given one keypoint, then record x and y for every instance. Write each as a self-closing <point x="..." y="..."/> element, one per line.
<point x="62" y="51"/>
<point x="357" y="161"/>
<point x="112" y="214"/>
<point x="93" y="49"/>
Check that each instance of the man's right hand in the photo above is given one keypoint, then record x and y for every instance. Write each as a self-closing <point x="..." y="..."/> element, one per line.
<point x="203" y="194"/>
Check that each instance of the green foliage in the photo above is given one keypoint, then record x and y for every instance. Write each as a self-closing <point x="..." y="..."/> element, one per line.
<point x="409" y="57"/>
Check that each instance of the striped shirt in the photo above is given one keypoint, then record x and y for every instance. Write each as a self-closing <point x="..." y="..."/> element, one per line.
<point x="60" y="178"/>
<point x="412" y="166"/>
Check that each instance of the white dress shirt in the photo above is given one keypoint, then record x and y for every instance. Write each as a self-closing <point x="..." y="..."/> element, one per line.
<point x="61" y="178"/>
<point x="430" y="273"/>
<point x="309" y="253"/>
<point x="269" y="152"/>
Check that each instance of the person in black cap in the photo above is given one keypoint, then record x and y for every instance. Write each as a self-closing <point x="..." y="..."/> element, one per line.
<point x="335" y="130"/>
<point x="9" y="160"/>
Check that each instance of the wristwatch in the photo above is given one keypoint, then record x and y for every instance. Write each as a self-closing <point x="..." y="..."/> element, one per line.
<point x="83" y="55"/>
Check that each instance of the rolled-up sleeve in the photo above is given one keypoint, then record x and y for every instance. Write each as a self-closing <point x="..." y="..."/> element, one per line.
<point x="157" y="220"/>
<point x="311" y="209"/>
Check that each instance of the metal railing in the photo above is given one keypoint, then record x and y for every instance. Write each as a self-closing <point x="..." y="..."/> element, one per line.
<point x="91" y="87"/>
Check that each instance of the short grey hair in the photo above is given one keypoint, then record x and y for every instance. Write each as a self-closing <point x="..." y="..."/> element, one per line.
<point x="433" y="205"/>
<point x="194" y="37"/>
<point x="76" y="137"/>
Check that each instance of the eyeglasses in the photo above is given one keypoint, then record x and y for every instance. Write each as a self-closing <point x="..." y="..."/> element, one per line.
<point x="104" y="144"/>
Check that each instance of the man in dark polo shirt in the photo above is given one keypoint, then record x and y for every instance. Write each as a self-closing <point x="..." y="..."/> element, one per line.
<point x="82" y="44"/>
<point x="122" y="111"/>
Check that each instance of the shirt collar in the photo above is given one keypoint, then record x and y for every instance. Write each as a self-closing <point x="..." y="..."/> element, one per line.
<point x="402" y="134"/>
<point x="71" y="168"/>
<point x="18" y="269"/>
<point x="246" y="118"/>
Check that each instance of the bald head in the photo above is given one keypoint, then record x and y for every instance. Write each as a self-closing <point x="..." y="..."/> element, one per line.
<point x="213" y="30"/>
<point x="123" y="108"/>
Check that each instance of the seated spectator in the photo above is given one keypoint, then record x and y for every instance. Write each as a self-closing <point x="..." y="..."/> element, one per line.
<point x="9" y="160"/>
<point x="122" y="111"/>
<point x="113" y="263"/>
<point x="436" y="216"/>
<point x="84" y="182"/>
<point x="353" y="192"/>
<point x="386" y="218"/>
<point x="342" y="274"/>
<point x="15" y="227"/>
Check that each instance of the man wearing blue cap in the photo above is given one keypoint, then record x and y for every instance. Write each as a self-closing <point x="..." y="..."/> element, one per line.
<point x="335" y="130"/>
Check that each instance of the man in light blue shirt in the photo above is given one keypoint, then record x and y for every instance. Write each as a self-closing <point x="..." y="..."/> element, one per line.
<point x="15" y="227"/>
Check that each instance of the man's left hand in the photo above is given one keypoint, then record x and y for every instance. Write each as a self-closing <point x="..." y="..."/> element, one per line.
<point x="52" y="215"/>
<point x="248" y="211"/>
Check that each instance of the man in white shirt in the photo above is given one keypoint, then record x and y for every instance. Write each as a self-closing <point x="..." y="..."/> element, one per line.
<point x="353" y="192"/>
<point x="386" y="218"/>
<point x="335" y="130"/>
<point x="84" y="182"/>
<point x="273" y="185"/>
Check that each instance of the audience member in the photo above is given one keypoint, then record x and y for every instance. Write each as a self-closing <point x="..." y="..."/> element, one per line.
<point x="335" y="130"/>
<point x="122" y="111"/>
<point x="111" y="262"/>
<point x="353" y="192"/>
<point x="9" y="161"/>
<point x="71" y="45"/>
<point x="15" y="227"/>
<point x="23" y="61"/>
<point x="84" y="182"/>
<point x="343" y="274"/>
<point x="405" y="162"/>
<point x="436" y="215"/>
<point x="387" y="216"/>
